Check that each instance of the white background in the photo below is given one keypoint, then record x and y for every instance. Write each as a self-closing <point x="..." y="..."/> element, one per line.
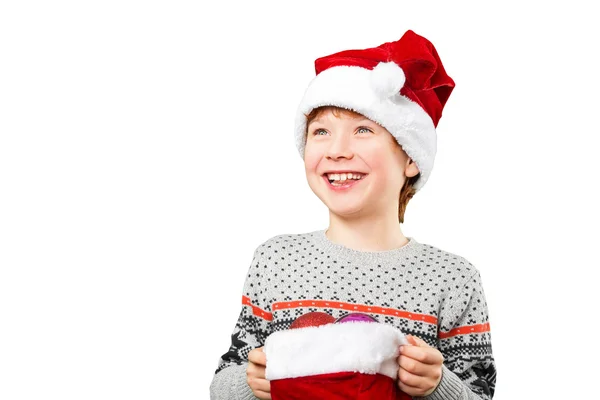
<point x="146" y="149"/>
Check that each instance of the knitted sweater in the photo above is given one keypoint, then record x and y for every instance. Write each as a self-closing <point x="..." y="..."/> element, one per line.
<point x="418" y="288"/>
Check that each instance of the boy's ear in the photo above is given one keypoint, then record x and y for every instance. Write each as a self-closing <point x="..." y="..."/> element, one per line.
<point x="411" y="168"/>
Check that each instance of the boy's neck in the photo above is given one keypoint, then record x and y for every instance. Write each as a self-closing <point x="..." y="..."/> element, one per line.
<point x="366" y="235"/>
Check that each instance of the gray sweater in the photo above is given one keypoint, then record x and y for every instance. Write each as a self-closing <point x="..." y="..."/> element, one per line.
<point x="418" y="288"/>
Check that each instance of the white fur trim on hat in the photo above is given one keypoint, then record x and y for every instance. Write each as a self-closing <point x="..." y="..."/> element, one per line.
<point x="368" y="93"/>
<point x="387" y="78"/>
<point x="366" y="347"/>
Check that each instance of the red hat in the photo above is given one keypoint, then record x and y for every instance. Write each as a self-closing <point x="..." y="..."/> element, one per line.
<point x="401" y="85"/>
<point x="349" y="358"/>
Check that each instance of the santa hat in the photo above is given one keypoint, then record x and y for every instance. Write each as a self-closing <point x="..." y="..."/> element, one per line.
<point x="401" y="85"/>
<point x="350" y="358"/>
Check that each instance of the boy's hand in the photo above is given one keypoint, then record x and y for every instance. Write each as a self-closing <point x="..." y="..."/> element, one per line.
<point x="257" y="362"/>
<point x="420" y="369"/>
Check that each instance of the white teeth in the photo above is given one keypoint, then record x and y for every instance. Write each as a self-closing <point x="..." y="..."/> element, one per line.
<point x="343" y="177"/>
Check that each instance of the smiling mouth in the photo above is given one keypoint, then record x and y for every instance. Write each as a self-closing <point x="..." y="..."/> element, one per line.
<point x="347" y="177"/>
<point x="343" y="183"/>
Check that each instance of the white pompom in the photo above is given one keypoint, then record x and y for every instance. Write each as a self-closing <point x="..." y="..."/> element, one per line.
<point x="387" y="78"/>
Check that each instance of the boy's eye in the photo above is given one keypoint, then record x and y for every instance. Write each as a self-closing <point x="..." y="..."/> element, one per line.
<point x="317" y="132"/>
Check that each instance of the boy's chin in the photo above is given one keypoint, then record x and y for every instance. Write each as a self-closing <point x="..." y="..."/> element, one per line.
<point x="346" y="211"/>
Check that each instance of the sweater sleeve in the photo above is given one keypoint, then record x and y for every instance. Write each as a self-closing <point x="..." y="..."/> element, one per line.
<point x="469" y="370"/>
<point x="250" y="332"/>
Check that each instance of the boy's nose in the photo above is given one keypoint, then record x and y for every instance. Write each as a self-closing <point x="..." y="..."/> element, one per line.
<point x="340" y="147"/>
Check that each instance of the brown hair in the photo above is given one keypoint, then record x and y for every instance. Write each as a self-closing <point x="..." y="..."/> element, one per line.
<point x="407" y="191"/>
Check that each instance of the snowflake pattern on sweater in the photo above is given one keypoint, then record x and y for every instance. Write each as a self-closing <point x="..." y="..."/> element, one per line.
<point x="418" y="288"/>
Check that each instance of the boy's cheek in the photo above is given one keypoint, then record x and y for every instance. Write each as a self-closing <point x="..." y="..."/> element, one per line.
<point x="311" y="161"/>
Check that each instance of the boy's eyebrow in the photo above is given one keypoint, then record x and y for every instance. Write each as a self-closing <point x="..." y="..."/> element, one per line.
<point x="357" y="119"/>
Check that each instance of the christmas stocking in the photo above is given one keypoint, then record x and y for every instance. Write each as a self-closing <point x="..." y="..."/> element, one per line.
<point x="319" y="357"/>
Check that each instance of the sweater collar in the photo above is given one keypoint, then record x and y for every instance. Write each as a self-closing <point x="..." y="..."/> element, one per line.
<point x="321" y="240"/>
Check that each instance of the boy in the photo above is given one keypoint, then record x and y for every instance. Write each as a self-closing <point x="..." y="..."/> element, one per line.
<point x="366" y="131"/>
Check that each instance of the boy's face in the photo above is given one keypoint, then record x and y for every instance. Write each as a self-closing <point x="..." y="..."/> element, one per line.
<point x="355" y="143"/>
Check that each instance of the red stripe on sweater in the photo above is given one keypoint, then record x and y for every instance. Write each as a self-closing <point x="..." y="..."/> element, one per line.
<point x="259" y="312"/>
<point x="464" y="330"/>
<point x="283" y="305"/>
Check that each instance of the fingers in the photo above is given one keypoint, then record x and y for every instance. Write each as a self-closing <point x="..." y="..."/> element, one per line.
<point x="425" y="355"/>
<point x="260" y="386"/>
<point x="262" y="395"/>
<point x="420" y="368"/>
<point x="257" y="384"/>
<point x="255" y="374"/>
<point x="257" y="356"/>
<point x="255" y="370"/>
<point x="408" y="382"/>
<point x="413" y="366"/>
<point x="417" y="341"/>
<point x="412" y="340"/>
<point x="420" y="342"/>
